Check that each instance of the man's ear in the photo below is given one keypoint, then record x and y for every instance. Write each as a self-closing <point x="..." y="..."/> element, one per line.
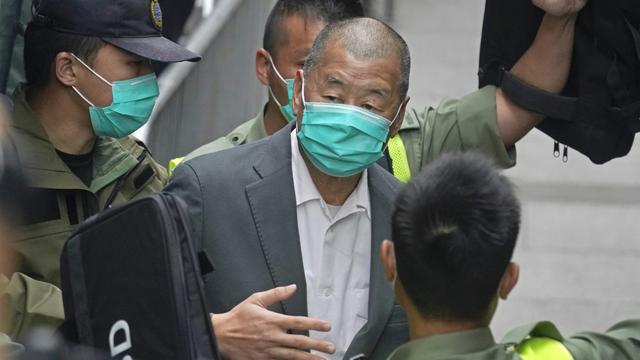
<point x="509" y="280"/>
<point x="66" y="69"/>
<point x="388" y="258"/>
<point x="298" y="105"/>
<point x="399" y="119"/>
<point x="263" y="66"/>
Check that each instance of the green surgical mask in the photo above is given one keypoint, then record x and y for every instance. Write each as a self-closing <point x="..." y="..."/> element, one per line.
<point x="133" y="102"/>
<point x="286" y="110"/>
<point x="342" y="140"/>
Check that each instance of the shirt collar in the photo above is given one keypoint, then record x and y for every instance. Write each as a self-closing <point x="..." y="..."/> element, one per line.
<point x="306" y="190"/>
<point x="457" y="343"/>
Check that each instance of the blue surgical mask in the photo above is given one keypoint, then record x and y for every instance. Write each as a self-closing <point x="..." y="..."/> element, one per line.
<point x="286" y="110"/>
<point x="133" y="102"/>
<point x="342" y="140"/>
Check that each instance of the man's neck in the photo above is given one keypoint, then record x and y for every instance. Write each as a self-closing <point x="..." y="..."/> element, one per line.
<point x="273" y="118"/>
<point x="67" y="126"/>
<point x="334" y="190"/>
<point x="421" y="327"/>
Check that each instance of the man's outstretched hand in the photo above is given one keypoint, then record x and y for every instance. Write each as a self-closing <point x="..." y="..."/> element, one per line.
<point x="250" y="331"/>
<point x="560" y="8"/>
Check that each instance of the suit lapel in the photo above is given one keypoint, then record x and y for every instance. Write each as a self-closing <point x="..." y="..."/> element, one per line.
<point x="273" y="207"/>
<point x="381" y="297"/>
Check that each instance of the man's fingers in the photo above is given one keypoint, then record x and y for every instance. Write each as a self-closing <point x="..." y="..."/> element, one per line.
<point x="302" y="323"/>
<point x="270" y="297"/>
<point x="291" y="354"/>
<point x="302" y="342"/>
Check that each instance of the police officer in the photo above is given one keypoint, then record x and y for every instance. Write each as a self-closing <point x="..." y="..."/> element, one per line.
<point x="454" y="230"/>
<point x="89" y="86"/>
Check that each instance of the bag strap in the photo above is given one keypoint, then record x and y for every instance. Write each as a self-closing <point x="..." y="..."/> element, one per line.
<point x="82" y="316"/>
<point x="537" y="100"/>
<point x="567" y="108"/>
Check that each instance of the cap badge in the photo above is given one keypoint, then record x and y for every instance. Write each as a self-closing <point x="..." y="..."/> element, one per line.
<point x="156" y="14"/>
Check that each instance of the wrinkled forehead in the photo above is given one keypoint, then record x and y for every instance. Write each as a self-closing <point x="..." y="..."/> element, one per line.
<point x="357" y="71"/>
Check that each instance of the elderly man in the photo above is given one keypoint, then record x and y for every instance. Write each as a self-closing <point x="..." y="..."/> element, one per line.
<point x="454" y="231"/>
<point x="308" y="207"/>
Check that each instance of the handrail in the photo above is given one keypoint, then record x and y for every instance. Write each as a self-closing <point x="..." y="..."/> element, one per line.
<point x="199" y="42"/>
<point x="200" y="102"/>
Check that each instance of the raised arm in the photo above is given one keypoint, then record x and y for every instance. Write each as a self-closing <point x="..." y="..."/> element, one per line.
<point x="545" y="65"/>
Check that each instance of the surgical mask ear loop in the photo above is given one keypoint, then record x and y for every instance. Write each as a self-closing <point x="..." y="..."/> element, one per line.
<point x="273" y="65"/>
<point x="304" y="104"/>
<point x="386" y="145"/>
<point x="82" y="96"/>
<point x="94" y="73"/>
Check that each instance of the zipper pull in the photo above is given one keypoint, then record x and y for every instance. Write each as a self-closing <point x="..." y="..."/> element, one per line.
<point x="556" y="149"/>
<point x="565" y="154"/>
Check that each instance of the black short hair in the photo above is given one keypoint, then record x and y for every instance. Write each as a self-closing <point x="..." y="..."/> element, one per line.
<point x="41" y="45"/>
<point x="328" y="11"/>
<point x="454" y="229"/>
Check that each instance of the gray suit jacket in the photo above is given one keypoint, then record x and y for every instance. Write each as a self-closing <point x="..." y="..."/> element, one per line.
<point x="243" y="209"/>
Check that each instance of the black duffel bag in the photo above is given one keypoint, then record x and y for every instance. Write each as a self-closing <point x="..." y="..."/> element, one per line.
<point x="598" y="113"/>
<point x="132" y="284"/>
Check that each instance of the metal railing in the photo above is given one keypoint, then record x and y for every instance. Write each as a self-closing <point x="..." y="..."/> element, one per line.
<point x="202" y="101"/>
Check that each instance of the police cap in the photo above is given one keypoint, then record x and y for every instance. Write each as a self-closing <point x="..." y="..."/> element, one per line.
<point x="132" y="25"/>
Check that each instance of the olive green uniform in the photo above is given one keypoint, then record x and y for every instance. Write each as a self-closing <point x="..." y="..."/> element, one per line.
<point x="454" y="125"/>
<point x="622" y="341"/>
<point x="59" y="200"/>
<point x="8" y="348"/>
<point x="28" y="303"/>
<point x="250" y="131"/>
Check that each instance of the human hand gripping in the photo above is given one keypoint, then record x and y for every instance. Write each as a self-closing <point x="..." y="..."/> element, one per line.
<point x="560" y="8"/>
<point x="251" y="331"/>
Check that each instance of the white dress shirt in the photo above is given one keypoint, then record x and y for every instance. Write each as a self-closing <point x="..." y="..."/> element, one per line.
<point x="336" y="253"/>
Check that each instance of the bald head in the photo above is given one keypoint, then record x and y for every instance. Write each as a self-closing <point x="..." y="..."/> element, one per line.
<point x="364" y="39"/>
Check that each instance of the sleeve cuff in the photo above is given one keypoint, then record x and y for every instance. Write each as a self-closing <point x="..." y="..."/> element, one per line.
<point x="478" y="126"/>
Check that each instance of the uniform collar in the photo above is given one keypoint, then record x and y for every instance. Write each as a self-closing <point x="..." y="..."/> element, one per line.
<point x="305" y="189"/>
<point x="44" y="167"/>
<point x="258" y="130"/>
<point x="251" y="131"/>
<point x="409" y="122"/>
<point x="439" y="346"/>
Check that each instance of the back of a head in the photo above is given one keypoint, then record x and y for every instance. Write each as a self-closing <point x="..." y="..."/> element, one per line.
<point x="454" y="229"/>
<point x="327" y="11"/>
